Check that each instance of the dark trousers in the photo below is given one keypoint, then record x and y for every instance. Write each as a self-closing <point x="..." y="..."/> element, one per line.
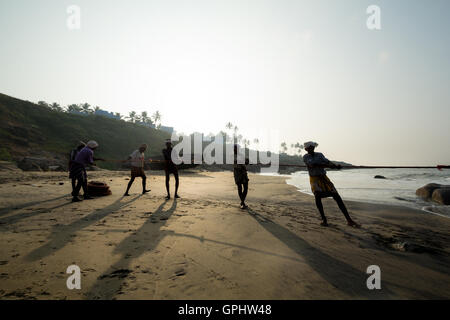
<point x="177" y="180"/>
<point x="242" y="191"/>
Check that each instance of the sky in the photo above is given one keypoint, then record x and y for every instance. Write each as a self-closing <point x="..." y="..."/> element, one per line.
<point x="284" y="70"/>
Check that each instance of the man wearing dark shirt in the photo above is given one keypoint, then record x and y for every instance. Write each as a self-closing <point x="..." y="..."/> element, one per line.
<point x="72" y="157"/>
<point x="78" y="169"/>
<point x="240" y="177"/>
<point x="169" y="167"/>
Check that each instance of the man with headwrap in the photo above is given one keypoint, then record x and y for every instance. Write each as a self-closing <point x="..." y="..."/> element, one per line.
<point x="321" y="186"/>
<point x="137" y="159"/>
<point x="78" y="169"/>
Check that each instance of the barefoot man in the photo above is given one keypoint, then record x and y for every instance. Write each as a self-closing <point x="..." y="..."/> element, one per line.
<point x="321" y="186"/>
<point x="240" y="176"/>
<point x="169" y="167"/>
<point x="78" y="169"/>
<point x="137" y="168"/>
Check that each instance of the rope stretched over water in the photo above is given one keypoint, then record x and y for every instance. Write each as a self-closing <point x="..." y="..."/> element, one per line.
<point x="439" y="167"/>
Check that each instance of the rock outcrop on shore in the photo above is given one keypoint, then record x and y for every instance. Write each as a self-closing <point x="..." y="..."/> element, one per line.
<point x="41" y="164"/>
<point x="438" y="193"/>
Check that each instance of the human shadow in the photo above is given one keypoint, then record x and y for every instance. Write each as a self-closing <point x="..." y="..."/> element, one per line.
<point x="61" y="235"/>
<point x="340" y="275"/>
<point x="7" y="210"/>
<point x="145" y="239"/>
<point x="234" y="245"/>
<point x="20" y="216"/>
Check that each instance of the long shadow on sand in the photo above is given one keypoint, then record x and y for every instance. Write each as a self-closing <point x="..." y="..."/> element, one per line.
<point x="145" y="239"/>
<point x="340" y="275"/>
<point x="63" y="234"/>
<point x="17" y="217"/>
<point x="7" y="210"/>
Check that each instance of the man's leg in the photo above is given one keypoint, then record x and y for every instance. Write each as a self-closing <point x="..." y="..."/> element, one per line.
<point x="167" y="184"/>
<point x="73" y="185"/>
<point x="341" y="205"/>
<point x="177" y="183"/>
<point x="244" y="193"/>
<point x="239" y="187"/>
<point x="320" y="208"/>
<point x="144" y="182"/>
<point x="86" y="195"/>
<point x="129" y="186"/>
<point x="76" y="190"/>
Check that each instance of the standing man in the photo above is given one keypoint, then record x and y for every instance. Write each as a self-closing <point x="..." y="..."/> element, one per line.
<point x="78" y="169"/>
<point x="72" y="157"/>
<point x="169" y="167"/>
<point x="321" y="186"/>
<point x="240" y="177"/>
<point x="137" y="168"/>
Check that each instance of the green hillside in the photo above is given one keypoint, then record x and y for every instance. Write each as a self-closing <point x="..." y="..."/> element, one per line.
<point x="27" y="128"/>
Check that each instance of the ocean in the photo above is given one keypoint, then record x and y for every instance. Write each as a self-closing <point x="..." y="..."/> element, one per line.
<point x="399" y="187"/>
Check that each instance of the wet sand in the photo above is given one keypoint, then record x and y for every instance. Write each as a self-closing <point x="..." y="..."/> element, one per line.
<point x="203" y="246"/>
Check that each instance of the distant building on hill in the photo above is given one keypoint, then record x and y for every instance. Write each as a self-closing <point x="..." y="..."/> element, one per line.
<point x="80" y="113"/>
<point x="146" y="124"/>
<point x="106" y="114"/>
<point x="169" y="130"/>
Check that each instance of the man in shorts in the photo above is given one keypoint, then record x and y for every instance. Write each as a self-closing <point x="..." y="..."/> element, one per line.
<point x="137" y="168"/>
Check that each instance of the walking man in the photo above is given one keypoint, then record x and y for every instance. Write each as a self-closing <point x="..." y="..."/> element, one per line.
<point x="137" y="168"/>
<point x="240" y="176"/>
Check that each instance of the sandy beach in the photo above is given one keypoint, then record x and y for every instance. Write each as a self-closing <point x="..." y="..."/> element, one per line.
<point x="203" y="246"/>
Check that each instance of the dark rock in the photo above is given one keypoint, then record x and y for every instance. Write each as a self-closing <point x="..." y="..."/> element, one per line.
<point x="41" y="164"/>
<point x="426" y="192"/>
<point x="379" y="177"/>
<point x="441" y="195"/>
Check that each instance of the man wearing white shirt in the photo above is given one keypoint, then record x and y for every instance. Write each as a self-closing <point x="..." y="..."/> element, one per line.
<point x="137" y="168"/>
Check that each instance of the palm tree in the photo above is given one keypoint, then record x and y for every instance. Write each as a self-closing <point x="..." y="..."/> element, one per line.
<point x="144" y="117"/>
<point x="224" y="135"/>
<point x="235" y="135"/>
<point x="299" y="148"/>
<point x="43" y="104"/>
<point x="132" y="116"/>
<point x="86" y="107"/>
<point x="56" y="107"/>
<point x="73" y="108"/>
<point x="157" y="118"/>
<point x="284" y="147"/>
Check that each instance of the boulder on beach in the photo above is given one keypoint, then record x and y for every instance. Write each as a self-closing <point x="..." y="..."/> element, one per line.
<point x="442" y="195"/>
<point x="379" y="177"/>
<point x="41" y="164"/>
<point x="426" y="191"/>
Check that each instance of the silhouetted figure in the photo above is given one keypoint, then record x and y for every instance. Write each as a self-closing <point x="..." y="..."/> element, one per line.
<point x="78" y="169"/>
<point x="321" y="186"/>
<point x="170" y="167"/>
<point x="137" y="159"/>
<point x="72" y="157"/>
<point x="240" y="177"/>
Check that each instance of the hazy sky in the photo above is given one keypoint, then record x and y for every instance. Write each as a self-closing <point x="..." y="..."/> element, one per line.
<point x="308" y="70"/>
